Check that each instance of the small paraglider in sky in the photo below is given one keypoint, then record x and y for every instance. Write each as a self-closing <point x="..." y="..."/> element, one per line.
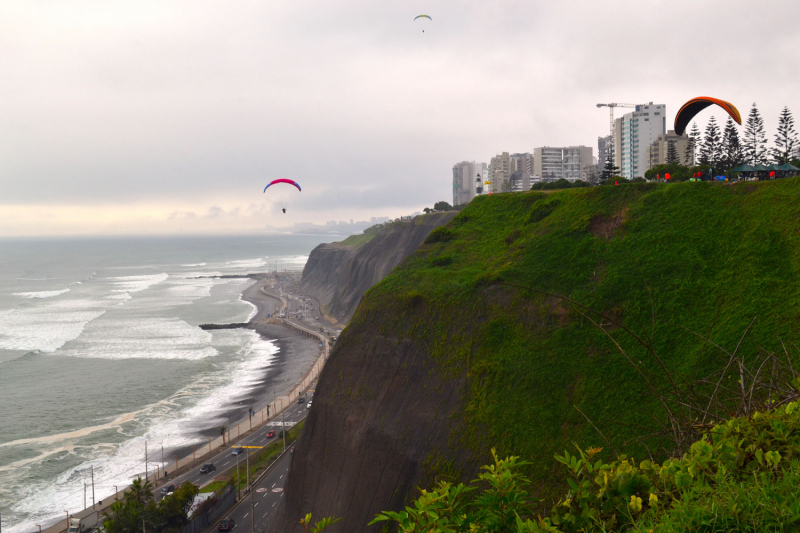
<point x="290" y="182"/>
<point x="284" y="210"/>
<point x="695" y="105"/>
<point x="422" y="17"/>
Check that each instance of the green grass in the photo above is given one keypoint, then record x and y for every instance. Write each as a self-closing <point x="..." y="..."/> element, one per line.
<point x="713" y="256"/>
<point x="357" y="241"/>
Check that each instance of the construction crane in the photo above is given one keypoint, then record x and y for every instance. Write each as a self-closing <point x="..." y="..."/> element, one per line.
<point x="611" y="114"/>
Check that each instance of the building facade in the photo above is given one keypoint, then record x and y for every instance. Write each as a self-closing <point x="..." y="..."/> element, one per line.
<point x="500" y="170"/>
<point x="571" y="163"/>
<point x="657" y="151"/>
<point x="468" y="178"/>
<point x="635" y="133"/>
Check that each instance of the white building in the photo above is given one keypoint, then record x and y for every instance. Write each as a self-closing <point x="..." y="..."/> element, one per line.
<point x="634" y="133"/>
<point x="468" y="178"/>
<point x="571" y="163"/>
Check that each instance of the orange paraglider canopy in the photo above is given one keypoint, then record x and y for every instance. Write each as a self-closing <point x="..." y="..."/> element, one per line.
<point x="695" y="105"/>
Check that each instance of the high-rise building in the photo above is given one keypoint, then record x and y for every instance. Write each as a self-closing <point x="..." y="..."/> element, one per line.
<point x="522" y="170"/>
<point x="500" y="171"/>
<point x="572" y="163"/>
<point x="603" y="148"/>
<point x="468" y="178"/>
<point x="634" y="133"/>
<point x="657" y="151"/>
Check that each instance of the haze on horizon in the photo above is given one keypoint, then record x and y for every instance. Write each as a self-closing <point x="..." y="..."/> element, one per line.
<point x="171" y="116"/>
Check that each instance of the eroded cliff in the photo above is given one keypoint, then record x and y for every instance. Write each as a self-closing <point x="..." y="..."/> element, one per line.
<point x="338" y="274"/>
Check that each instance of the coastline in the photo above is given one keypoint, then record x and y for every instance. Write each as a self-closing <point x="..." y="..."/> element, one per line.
<point x="295" y="357"/>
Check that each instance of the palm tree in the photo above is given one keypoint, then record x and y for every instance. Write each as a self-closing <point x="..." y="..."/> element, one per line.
<point x="140" y="492"/>
<point x="222" y="431"/>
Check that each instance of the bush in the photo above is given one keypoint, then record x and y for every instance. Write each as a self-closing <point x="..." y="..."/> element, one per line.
<point x="741" y="476"/>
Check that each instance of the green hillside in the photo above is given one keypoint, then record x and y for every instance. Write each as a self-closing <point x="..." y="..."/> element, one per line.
<point x="657" y="258"/>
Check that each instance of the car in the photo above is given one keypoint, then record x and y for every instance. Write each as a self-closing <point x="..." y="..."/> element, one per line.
<point x="309" y="405"/>
<point x="301" y="400"/>
<point x="169" y="489"/>
<point x="270" y="434"/>
<point x="207" y="468"/>
<point x="237" y="451"/>
<point x="227" y="524"/>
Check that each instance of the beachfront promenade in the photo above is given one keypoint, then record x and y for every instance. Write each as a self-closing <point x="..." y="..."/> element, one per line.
<point x="270" y="415"/>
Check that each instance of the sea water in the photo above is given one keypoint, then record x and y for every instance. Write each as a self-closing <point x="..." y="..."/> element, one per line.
<point x="100" y="352"/>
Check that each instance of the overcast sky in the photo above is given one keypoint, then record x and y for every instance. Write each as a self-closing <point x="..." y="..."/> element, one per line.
<point x="166" y="116"/>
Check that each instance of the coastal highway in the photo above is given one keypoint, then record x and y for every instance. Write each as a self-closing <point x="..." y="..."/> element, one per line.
<point x="266" y="496"/>
<point x="225" y="460"/>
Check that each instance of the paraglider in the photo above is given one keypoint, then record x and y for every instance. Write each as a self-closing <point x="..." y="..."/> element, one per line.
<point x="284" y="210"/>
<point x="422" y="17"/>
<point x="687" y="112"/>
<point x="290" y="182"/>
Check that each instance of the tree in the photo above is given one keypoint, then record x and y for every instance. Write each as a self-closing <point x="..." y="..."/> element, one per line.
<point x="710" y="151"/>
<point x="691" y="146"/>
<point x="609" y="170"/>
<point x="672" y="153"/>
<point x="733" y="154"/>
<point x="755" y="140"/>
<point x="442" y="206"/>
<point x="222" y="430"/>
<point x="785" y="139"/>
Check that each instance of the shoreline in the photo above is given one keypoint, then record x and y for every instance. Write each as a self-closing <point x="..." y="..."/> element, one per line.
<point x="294" y="358"/>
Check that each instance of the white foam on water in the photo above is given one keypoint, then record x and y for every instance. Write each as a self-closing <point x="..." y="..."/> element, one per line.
<point x="205" y="400"/>
<point x="129" y="284"/>
<point x="195" y="265"/>
<point x="247" y="263"/>
<point x="48" y="327"/>
<point x="143" y="338"/>
<point x="41" y="294"/>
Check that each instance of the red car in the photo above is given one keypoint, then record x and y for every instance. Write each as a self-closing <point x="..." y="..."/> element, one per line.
<point x="270" y="434"/>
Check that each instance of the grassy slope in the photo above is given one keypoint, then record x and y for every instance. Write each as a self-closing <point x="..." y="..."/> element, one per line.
<point x="703" y="249"/>
<point x="357" y="241"/>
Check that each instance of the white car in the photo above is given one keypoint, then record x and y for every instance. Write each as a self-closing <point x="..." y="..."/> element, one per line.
<point x="309" y="405"/>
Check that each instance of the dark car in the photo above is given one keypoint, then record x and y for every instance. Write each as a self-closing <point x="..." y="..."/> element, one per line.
<point x="270" y="434"/>
<point x="238" y="451"/>
<point x="227" y="524"/>
<point x="301" y="400"/>
<point x="208" y="467"/>
<point x="168" y="489"/>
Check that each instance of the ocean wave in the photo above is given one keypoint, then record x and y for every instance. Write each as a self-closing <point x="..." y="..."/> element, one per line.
<point x="194" y="265"/>
<point x="131" y="284"/>
<point x="41" y="294"/>
<point x="246" y="263"/>
<point x="171" y="423"/>
<point x="46" y="328"/>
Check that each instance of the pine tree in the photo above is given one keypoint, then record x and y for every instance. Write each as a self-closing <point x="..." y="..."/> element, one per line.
<point x="755" y="140"/>
<point x="785" y="139"/>
<point x="711" y="150"/>
<point x="609" y="170"/>
<point x="691" y="145"/>
<point x="733" y="154"/>
<point x="672" y="153"/>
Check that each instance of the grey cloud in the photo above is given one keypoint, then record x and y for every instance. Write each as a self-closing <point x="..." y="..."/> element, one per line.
<point x="201" y="103"/>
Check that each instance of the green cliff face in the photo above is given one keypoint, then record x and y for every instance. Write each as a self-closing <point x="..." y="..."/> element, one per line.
<point x="443" y="360"/>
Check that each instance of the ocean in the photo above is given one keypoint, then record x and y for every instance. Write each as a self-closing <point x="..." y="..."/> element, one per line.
<point x="100" y="352"/>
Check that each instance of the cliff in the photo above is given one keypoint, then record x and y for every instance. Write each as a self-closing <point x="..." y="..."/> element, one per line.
<point x="443" y="360"/>
<point x="338" y="274"/>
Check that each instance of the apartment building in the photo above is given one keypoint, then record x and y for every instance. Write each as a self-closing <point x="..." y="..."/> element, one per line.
<point x="468" y="178"/>
<point x="571" y="163"/>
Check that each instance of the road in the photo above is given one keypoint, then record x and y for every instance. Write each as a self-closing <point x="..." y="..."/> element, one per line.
<point x="225" y="460"/>
<point x="263" y="501"/>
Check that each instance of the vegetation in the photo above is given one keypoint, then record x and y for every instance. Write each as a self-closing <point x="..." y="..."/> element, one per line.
<point x="741" y="476"/>
<point x="676" y="171"/>
<point x="357" y="241"/>
<point x="137" y="510"/>
<point x="686" y="267"/>
<point x="558" y="184"/>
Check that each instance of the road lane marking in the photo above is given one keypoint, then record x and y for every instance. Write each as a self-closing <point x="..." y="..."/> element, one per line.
<point x="245" y="516"/>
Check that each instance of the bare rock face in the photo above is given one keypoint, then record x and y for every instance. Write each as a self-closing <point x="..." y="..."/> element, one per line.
<point x="372" y="429"/>
<point x="337" y="276"/>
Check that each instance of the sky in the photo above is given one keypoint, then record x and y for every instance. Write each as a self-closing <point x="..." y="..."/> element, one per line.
<point x="171" y="116"/>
